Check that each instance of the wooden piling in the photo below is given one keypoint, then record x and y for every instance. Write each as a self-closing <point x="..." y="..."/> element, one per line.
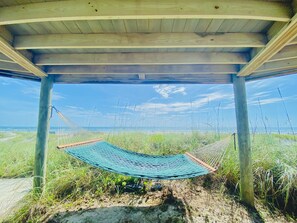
<point x="42" y="133"/>
<point x="244" y="143"/>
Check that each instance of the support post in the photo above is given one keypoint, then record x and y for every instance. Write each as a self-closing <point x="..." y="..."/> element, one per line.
<point x="42" y="132"/>
<point x="244" y="143"/>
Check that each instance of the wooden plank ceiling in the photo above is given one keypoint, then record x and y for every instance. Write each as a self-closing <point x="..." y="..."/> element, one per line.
<point x="147" y="41"/>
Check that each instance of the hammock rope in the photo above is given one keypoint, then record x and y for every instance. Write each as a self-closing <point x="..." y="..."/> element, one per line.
<point x="214" y="153"/>
<point x="109" y="157"/>
<point x="101" y="154"/>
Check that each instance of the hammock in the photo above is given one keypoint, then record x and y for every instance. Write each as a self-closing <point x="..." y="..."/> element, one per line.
<point x="109" y="157"/>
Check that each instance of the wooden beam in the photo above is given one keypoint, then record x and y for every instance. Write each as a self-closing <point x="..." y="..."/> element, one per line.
<point x="42" y="132"/>
<point x="140" y="58"/>
<point x="274" y="29"/>
<point x="19" y="75"/>
<point x="279" y="41"/>
<point x="244" y="143"/>
<point x="149" y="79"/>
<point x="269" y="74"/>
<point x="196" y="78"/>
<point x="6" y="34"/>
<point x="144" y="9"/>
<point x="278" y="65"/>
<point x="288" y="52"/>
<point x="146" y="69"/>
<point x="12" y="67"/>
<point x="294" y="5"/>
<point x="141" y="76"/>
<point x="139" y="40"/>
<point x="293" y="42"/>
<point x="4" y="58"/>
<point x="19" y="58"/>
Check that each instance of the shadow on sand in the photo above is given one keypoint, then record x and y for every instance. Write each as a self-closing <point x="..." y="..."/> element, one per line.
<point x="172" y="210"/>
<point x="254" y="214"/>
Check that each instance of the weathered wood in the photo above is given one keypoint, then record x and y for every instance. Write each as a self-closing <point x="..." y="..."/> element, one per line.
<point x="144" y="9"/>
<point x="139" y="40"/>
<point x="146" y="69"/>
<point x="269" y="74"/>
<point x="140" y="58"/>
<point x="274" y="29"/>
<point x="293" y="42"/>
<point x="141" y="76"/>
<point x="4" y="58"/>
<point x="42" y="132"/>
<point x="19" y="58"/>
<point x="19" y="75"/>
<point x="279" y="41"/>
<point x="244" y="143"/>
<point x="169" y="22"/>
<point x="278" y="65"/>
<point x="78" y="143"/>
<point x="288" y="52"/>
<point x="149" y="79"/>
<point x="6" y="34"/>
<point x="9" y="66"/>
<point x="294" y="5"/>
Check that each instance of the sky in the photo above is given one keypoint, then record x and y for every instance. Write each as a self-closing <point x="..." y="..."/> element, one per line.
<point x="271" y="102"/>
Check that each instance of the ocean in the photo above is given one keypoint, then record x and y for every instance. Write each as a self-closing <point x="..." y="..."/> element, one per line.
<point x="283" y="130"/>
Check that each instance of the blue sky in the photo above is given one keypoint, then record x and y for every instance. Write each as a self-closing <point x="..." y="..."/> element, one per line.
<point x="191" y="106"/>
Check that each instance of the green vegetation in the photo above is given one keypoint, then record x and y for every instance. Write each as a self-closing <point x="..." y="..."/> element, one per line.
<point x="274" y="168"/>
<point x="286" y="137"/>
<point x="70" y="181"/>
<point x="16" y="154"/>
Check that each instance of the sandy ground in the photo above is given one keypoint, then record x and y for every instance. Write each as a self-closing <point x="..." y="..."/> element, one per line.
<point x="8" y="136"/>
<point x="11" y="192"/>
<point x="179" y="201"/>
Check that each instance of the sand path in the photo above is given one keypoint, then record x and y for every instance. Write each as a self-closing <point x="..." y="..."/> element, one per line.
<point x="11" y="192"/>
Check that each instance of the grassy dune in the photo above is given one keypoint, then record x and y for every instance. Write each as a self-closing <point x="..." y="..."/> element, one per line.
<point x="68" y="179"/>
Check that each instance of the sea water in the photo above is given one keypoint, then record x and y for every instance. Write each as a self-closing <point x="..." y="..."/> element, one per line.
<point x="108" y="129"/>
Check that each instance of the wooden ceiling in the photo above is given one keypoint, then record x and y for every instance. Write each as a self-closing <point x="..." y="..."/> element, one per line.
<point x="147" y="41"/>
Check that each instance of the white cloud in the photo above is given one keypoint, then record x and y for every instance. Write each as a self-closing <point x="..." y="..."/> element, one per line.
<point x="35" y="92"/>
<point x="4" y="83"/>
<point x="230" y="105"/>
<point x="267" y="101"/>
<point x="165" y="108"/>
<point x="11" y="81"/>
<point x="255" y="99"/>
<point x="166" y="90"/>
<point x="261" y="94"/>
<point x="57" y="96"/>
<point x="75" y="111"/>
<point x="266" y="83"/>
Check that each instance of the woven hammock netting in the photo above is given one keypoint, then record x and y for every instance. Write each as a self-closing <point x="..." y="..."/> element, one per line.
<point x="104" y="155"/>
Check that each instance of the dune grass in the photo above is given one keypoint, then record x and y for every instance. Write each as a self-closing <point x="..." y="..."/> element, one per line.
<point x="70" y="181"/>
<point x="274" y="169"/>
<point x="16" y="154"/>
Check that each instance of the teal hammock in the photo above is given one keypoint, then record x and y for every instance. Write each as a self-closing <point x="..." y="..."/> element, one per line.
<point x="109" y="157"/>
